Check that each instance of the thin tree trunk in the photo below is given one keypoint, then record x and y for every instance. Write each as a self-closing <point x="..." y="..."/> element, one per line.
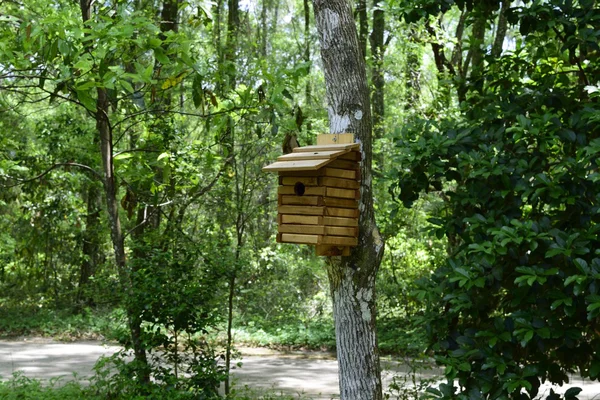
<point x="501" y="29"/>
<point x="307" y="40"/>
<point x="363" y="26"/>
<point x="116" y="233"/>
<point x="413" y="70"/>
<point x="263" y="28"/>
<point x="377" y="79"/>
<point x="352" y="279"/>
<point x="91" y="244"/>
<point x="112" y="207"/>
<point x="457" y="55"/>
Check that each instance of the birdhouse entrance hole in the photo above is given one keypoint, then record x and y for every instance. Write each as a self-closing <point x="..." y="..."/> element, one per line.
<point x="299" y="189"/>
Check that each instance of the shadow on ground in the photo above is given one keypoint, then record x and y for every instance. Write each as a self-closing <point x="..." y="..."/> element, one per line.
<point x="314" y="375"/>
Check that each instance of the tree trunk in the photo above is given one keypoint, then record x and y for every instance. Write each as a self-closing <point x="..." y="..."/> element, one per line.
<point x="91" y="245"/>
<point x="116" y="233"/>
<point x="112" y="207"/>
<point x="501" y="29"/>
<point x="377" y="79"/>
<point x="363" y="26"/>
<point x="413" y="70"/>
<point x="352" y="279"/>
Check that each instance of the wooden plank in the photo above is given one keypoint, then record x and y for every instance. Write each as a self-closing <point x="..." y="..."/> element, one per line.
<point x="299" y="165"/>
<point x="341" y="231"/>
<point x="338" y="240"/>
<point x="308" y="190"/>
<point x="352" y="156"/>
<point x="340" y="173"/>
<point x="306" y="229"/>
<point x="323" y="172"/>
<point x="301" y="219"/>
<point x="312" y="155"/>
<point x="303" y="210"/>
<point x="341" y="212"/>
<point x="306" y="181"/>
<point x="343" y="193"/>
<point x="337" y="221"/>
<point x="341" y="203"/>
<point x="301" y="239"/>
<point x="328" y="147"/>
<point x="302" y="200"/>
<point x="331" y="251"/>
<point x="301" y="173"/>
<point x="339" y="183"/>
<point x="335" y="138"/>
<point x="344" y="164"/>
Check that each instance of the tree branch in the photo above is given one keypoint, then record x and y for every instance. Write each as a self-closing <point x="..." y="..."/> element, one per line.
<point x="55" y="166"/>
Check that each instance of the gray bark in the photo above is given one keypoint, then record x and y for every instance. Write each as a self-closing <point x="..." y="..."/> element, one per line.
<point x="352" y="279"/>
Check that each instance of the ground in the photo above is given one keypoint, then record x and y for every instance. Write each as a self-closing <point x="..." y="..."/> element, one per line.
<point x="313" y="374"/>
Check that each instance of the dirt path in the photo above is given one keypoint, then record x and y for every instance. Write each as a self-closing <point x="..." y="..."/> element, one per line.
<point x="311" y="374"/>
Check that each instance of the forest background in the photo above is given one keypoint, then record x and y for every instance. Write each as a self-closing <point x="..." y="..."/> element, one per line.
<point x="133" y="205"/>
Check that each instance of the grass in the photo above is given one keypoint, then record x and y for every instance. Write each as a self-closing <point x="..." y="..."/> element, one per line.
<point x="317" y="335"/>
<point x="62" y="325"/>
<point x="19" y="387"/>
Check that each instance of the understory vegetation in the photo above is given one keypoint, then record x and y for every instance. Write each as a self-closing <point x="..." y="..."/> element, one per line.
<point x="134" y="208"/>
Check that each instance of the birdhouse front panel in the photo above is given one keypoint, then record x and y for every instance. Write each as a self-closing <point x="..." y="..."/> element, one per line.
<point x="318" y="197"/>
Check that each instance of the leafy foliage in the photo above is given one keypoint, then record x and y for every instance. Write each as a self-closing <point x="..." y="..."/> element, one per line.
<point x="516" y="303"/>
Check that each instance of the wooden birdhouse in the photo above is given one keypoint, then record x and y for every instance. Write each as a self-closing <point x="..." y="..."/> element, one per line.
<point x="318" y="194"/>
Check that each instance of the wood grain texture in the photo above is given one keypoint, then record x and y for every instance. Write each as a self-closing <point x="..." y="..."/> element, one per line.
<point x="341" y="203"/>
<point x="344" y="164"/>
<point x="302" y="219"/>
<point x="339" y="183"/>
<point x="352" y="156"/>
<point x="312" y="155"/>
<point x="341" y="212"/>
<point x="292" y="180"/>
<point x="341" y="231"/>
<point x="301" y="210"/>
<point x="320" y="147"/>
<point x="303" y="229"/>
<point x="308" y="191"/>
<point x="301" y="200"/>
<point x="340" y="173"/>
<point x="339" y="240"/>
<point x="298" y="165"/>
<point x="337" y="221"/>
<point x="338" y="138"/>
<point x="300" y="239"/>
<point x="343" y="193"/>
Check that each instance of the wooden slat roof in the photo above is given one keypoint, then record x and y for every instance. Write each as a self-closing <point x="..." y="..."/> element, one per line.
<point x="310" y="158"/>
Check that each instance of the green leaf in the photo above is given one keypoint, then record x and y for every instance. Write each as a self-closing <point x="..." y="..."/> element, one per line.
<point x="86" y="100"/>
<point x="126" y="85"/>
<point x="595" y="369"/>
<point x="123" y="156"/>
<point x="160" y="56"/>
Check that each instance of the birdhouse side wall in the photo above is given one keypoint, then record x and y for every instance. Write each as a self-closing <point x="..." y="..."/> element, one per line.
<point x="320" y="207"/>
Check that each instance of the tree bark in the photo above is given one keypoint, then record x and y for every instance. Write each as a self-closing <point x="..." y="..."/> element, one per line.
<point x="377" y="79"/>
<point x="92" y="255"/>
<point x="501" y="29"/>
<point x="363" y="24"/>
<point x="352" y="279"/>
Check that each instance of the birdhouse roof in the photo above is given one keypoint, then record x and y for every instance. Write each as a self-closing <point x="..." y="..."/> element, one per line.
<point x="310" y="158"/>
